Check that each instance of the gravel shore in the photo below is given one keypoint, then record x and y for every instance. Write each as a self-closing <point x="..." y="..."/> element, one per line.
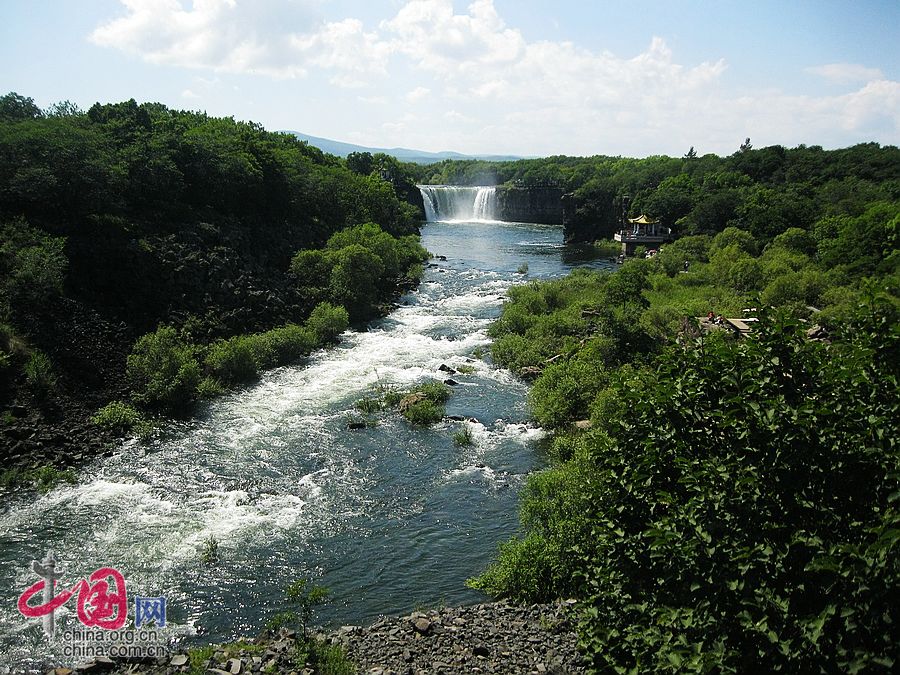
<point x="495" y="637"/>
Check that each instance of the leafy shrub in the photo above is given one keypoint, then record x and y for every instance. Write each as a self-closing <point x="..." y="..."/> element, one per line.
<point x="312" y="269"/>
<point x="303" y="597"/>
<point x="354" y="280"/>
<point x="32" y="264"/>
<point x="359" y="266"/>
<point x="119" y="418"/>
<point x="281" y="346"/>
<point x="232" y="361"/>
<point x="39" y="374"/>
<point x="327" y="322"/>
<point x="738" y="513"/>
<point x="693" y="249"/>
<point x="163" y="371"/>
<point x="47" y="477"/>
<point x="210" y="387"/>
<point x="424" y="413"/>
<point x="564" y="390"/>
<point x="607" y="247"/>
<point x="734" y="236"/>
<point x="463" y="437"/>
<point x="796" y="240"/>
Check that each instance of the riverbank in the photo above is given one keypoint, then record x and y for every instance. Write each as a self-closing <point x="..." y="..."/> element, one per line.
<point x="58" y="418"/>
<point x="494" y="637"/>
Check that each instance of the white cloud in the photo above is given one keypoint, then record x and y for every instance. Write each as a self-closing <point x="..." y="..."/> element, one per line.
<point x="267" y="37"/>
<point x="372" y="100"/>
<point x="187" y="93"/>
<point x="846" y="73"/>
<point x="503" y="92"/>
<point x="417" y="94"/>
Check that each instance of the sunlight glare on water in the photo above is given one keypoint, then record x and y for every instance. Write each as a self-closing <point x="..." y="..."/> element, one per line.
<point x="388" y="517"/>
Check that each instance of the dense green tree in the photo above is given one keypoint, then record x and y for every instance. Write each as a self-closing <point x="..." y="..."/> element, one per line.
<point x="14" y="106"/>
<point x="360" y="162"/>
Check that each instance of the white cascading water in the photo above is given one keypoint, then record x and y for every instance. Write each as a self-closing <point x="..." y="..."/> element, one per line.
<point x="450" y="203"/>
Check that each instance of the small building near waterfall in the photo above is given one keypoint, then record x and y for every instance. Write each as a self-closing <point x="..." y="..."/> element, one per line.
<point x="642" y="231"/>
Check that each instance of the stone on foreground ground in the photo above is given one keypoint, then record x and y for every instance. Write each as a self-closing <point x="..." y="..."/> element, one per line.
<point x="489" y="638"/>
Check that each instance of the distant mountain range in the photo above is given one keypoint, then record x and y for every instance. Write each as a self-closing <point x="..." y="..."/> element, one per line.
<point x="403" y="154"/>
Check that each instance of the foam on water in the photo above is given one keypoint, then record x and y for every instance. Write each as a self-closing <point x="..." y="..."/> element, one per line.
<point x="388" y="516"/>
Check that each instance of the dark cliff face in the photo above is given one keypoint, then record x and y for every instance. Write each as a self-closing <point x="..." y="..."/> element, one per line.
<point x="530" y="205"/>
<point x="588" y="218"/>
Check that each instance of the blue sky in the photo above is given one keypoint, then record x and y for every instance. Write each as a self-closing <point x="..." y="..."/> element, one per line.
<point x="526" y="77"/>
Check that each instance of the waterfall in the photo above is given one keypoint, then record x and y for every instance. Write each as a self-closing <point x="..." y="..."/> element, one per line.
<point x="450" y="202"/>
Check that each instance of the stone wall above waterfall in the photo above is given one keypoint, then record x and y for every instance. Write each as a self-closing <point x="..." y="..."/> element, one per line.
<point x="530" y="205"/>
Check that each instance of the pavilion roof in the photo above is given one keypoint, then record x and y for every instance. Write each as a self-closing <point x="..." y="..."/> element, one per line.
<point x="642" y="220"/>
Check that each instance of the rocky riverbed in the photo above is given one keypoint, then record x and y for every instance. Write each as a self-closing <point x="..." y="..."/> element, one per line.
<point x="487" y="638"/>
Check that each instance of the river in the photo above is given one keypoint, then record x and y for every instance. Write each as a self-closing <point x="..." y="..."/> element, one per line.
<point x="388" y="518"/>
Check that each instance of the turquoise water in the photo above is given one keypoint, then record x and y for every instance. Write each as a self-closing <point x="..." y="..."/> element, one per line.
<point x="388" y="518"/>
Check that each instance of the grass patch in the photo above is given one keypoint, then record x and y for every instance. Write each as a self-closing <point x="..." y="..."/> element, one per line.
<point x="199" y="658"/>
<point x="209" y="552"/>
<point x="608" y="247"/>
<point x="370" y="404"/>
<point x="43" y="478"/>
<point x="463" y="438"/>
<point x="39" y="375"/>
<point x="121" y="419"/>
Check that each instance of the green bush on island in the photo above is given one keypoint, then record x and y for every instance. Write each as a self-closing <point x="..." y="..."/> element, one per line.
<point x="463" y="438"/>
<point x="425" y="403"/>
<point x="421" y="405"/>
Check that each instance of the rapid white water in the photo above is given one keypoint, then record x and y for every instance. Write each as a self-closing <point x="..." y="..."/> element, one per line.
<point x="451" y="203"/>
<point x="387" y="517"/>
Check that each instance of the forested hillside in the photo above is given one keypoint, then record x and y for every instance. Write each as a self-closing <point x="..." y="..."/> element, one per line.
<point x="129" y="217"/>
<point x="763" y="191"/>
<point x="721" y="503"/>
